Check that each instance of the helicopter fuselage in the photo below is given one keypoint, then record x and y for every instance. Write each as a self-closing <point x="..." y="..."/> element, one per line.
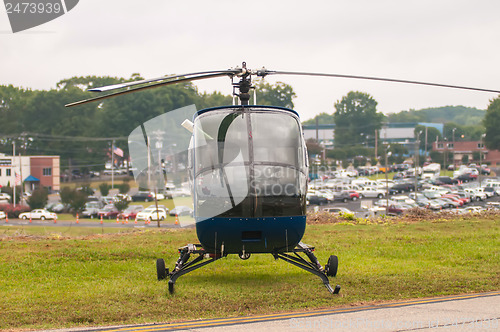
<point x="248" y="168"/>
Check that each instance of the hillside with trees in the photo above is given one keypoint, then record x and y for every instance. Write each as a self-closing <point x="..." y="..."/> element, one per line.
<point x="460" y="115"/>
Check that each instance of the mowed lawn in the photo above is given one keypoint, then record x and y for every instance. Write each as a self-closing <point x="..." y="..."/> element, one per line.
<point x="62" y="280"/>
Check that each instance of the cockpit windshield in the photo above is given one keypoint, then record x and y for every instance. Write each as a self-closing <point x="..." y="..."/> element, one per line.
<point x="248" y="162"/>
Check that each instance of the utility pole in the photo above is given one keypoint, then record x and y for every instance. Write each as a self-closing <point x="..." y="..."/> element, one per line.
<point x="453" y="137"/>
<point x="481" y="148"/>
<point x="112" y="164"/>
<point x="426" y="143"/>
<point x="417" y="153"/>
<point x="13" y="158"/>
<point x="387" y="154"/>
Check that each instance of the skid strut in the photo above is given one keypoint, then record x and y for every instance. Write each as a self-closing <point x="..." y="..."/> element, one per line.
<point x="313" y="266"/>
<point x="182" y="266"/>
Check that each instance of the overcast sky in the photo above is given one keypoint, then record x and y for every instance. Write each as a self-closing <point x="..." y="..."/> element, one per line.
<point x="452" y="42"/>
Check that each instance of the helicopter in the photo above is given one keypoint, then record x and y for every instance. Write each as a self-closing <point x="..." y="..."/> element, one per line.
<point x="247" y="167"/>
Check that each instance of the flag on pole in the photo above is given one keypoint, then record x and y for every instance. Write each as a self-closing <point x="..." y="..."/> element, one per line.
<point x="18" y="178"/>
<point x="118" y="151"/>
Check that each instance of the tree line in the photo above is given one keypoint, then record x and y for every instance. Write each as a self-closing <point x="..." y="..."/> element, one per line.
<point x="39" y="124"/>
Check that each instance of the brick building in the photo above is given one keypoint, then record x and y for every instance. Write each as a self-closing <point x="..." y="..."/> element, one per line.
<point x="34" y="171"/>
<point x="475" y="151"/>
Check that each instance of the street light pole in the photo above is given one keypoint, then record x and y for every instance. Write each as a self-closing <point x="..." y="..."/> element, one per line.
<point x="417" y="153"/>
<point x="453" y="136"/>
<point x="387" y="154"/>
<point x="481" y="147"/>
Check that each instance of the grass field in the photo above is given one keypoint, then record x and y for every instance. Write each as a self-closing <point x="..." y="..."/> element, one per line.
<point x="67" y="280"/>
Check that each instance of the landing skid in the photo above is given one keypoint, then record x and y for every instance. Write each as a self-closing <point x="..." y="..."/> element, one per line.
<point x="182" y="266"/>
<point x="313" y="266"/>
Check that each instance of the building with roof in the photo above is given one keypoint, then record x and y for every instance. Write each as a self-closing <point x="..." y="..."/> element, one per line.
<point x="455" y="152"/>
<point x="34" y="171"/>
<point x="400" y="133"/>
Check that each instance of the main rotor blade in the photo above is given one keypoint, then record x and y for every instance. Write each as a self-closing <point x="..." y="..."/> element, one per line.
<point x="378" y="79"/>
<point x="151" y="80"/>
<point x="175" y="81"/>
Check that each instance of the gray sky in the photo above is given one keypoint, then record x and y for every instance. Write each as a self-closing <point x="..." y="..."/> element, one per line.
<point x="449" y="41"/>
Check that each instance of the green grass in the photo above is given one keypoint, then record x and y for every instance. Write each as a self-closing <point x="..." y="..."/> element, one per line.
<point x="55" y="282"/>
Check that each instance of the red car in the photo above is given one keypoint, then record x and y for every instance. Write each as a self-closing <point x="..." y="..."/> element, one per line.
<point x="354" y="194"/>
<point x="456" y="198"/>
<point x="131" y="212"/>
<point x="109" y="211"/>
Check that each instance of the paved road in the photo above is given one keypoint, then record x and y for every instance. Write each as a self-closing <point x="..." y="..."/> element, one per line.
<point x="83" y="223"/>
<point x="469" y="312"/>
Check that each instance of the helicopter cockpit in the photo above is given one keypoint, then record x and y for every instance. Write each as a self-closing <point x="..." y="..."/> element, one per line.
<point x="248" y="162"/>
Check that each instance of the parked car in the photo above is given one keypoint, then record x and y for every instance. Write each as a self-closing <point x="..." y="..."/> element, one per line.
<point x="2" y="215"/>
<point x="316" y="200"/>
<point x="466" y="177"/>
<point x="342" y="196"/>
<point x="490" y="191"/>
<point x="371" y="192"/>
<point x="5" y="196"/>
<point x="337" y="210"/>
<point x="143" y="196"/>
<point x="353" y="195"/>
<point x="400" y="188"/>
<point x="475" y="194"/>
<point x="398" y="208"/>
<point x="473" y="209"/>
<point x="153" y="207"/>
<point x="440" y="180"/>
<point x="91" y="209"/>
<point x="181" y="211"/>
<point x="41" y="214"/>
<point x="131" y="212"/>
<point x="151" y="215"/>
<point x="109" y="211"/>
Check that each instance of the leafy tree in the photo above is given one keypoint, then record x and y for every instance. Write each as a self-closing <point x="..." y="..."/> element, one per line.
<point x="121" y="204"/>
<point x="492" y="124"/>
<point x="356" y="117"/>
<point x="78" y="202"/>
<point x="279" y="94"/>
<point x="313" y="147"/>
<point x="432" y="135"/>
<point x="38" y="198"/>
<point x="460" y="115"/>
<point x="322" y="118"/>
<point x="73" y="199"/>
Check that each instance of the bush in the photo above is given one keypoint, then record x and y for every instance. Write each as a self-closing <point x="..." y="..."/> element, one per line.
<point x="38" y="198"/>
<point x="104" y="189"/>
<point x="123" y="187"/>
<point x="14" y="212"/>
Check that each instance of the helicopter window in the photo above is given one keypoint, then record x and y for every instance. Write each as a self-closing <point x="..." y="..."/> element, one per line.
<point x="248" y="163"/>
<point x="276" y="138"/>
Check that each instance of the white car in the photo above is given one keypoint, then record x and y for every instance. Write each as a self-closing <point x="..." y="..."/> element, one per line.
<point x="159" y="196"/>
<point x="4" y="196"/>
<point x="153" y="207"/>
<point x="151" y="215"/>
<point x="371" y="192"/>
<point x="337" y="210"/>
<point x="41" y="214"/>
<point x="2" y="215"/>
